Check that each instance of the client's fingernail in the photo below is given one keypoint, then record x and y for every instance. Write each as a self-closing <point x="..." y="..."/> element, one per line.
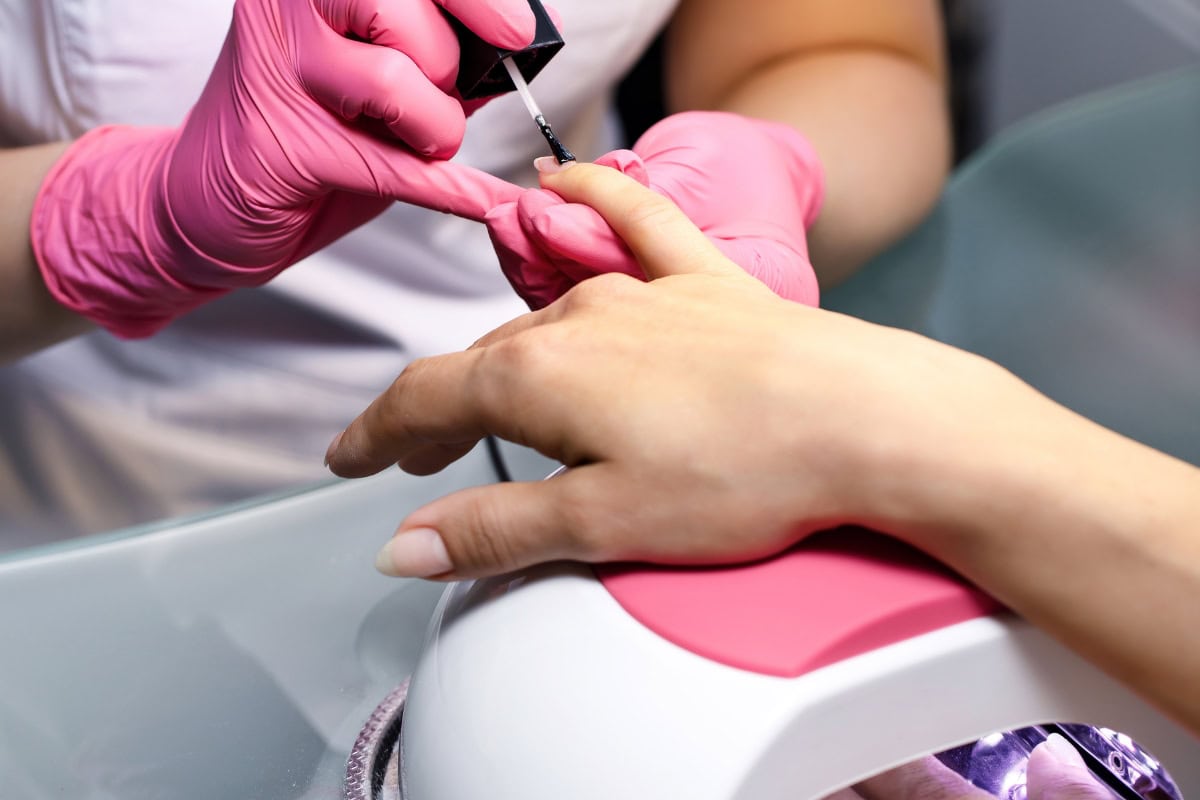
<point x="548" y="165"/>
<point x="333" y="446"/>
<point x="416" y="553"/>
<point x="1063" y="750"/>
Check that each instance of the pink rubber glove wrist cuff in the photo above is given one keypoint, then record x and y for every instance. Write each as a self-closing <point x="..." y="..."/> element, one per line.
<point x="104" y="238"/>
<point x="805" y="155"/>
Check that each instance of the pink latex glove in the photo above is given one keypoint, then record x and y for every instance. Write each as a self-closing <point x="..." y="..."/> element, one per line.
<point x="302" y="133"/>
<point x="752" y="186"/>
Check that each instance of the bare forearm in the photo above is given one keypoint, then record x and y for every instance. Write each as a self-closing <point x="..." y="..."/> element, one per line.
<point x="886" y="154"/>
<point x="1089" y="535"/>
<point x="29" y="317"/>
<point x="863" y="80"/>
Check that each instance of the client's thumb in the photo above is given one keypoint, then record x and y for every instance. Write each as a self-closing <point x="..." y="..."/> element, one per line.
<point x="489" y="530"/>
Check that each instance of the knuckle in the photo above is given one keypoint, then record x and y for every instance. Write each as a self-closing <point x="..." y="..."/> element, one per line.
<point x="489" y="546"/>
<point x="499" y="360"/>
<point x="598" y="291"/>
<point x="585" y="538"/>
<point x="413" y="371"/>
<point x="603" y="287"/>
<point x="391" y="403"/>
<point x="577" y="297"/>
<point x="649" y="213"/>
<point x="586" y="530"/>
<point x="390" y="72"/>
<point x="499" y="377"/>
<point x="527" y="354"/>
<point x="439" y="66"/>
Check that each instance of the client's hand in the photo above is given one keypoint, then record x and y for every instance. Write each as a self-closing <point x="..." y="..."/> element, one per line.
<point x="707" y="419"/>
<point x="752" y="186"/>
<point x="317" y="115"/>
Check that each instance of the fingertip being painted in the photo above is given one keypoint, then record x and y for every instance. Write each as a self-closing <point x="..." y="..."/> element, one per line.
<point x="548" y="165"/>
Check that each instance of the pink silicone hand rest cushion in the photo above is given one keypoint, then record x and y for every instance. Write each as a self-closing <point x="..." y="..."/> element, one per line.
<point x="835" y="595"/>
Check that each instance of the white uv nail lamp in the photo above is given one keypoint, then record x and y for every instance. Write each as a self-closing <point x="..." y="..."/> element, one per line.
<point x="787" y="678"/>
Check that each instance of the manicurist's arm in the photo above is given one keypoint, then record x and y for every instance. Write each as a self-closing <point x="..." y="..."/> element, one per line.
<point x="29" y="316"/>
<point x="134" y="226"/>
<point x="863" y="80"/>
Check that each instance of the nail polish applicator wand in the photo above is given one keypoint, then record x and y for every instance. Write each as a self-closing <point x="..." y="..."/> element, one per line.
<point x="485" y="70"/>
<point x="561" y="153"/>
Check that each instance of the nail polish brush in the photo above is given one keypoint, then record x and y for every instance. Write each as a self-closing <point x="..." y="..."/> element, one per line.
<point x="561" y="153"/>
<point x="480" y="73"/>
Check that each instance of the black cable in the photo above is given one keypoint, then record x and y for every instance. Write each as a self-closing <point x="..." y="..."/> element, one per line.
<point x="497" y="458"/>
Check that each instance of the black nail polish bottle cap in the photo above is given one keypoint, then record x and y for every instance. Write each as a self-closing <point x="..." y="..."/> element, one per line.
<point x="480" y="73"/>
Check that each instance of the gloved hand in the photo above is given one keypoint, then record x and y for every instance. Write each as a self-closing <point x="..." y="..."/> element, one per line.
<point x="752" y="186"/>
<point x="302" y="134"/>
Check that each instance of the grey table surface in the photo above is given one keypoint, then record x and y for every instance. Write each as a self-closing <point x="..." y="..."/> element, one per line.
<point x="236" y="655"/>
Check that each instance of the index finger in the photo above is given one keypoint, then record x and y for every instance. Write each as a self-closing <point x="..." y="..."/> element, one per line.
<point x="427" y="404"/>
<point x="451" y="401"/>
<point x="662" y="238"/>
<point x="384" y="168"/>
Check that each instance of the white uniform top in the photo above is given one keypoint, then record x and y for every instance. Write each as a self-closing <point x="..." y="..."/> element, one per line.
<point x="242" y="396"/>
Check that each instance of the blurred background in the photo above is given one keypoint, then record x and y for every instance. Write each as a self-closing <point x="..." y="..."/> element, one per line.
<point x="1017" y="57"/>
